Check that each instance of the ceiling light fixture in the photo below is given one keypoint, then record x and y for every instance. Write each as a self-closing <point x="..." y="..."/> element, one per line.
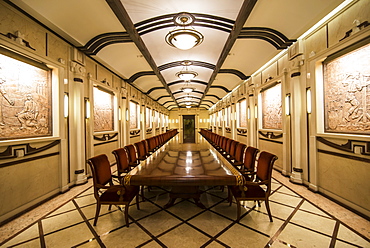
<point x="184" y="38"/>
<point x="187" y="89"/>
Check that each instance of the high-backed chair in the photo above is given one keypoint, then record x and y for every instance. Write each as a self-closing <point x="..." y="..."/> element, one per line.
<point x="237" y="160"/>
<point x="122" y="161"/>
<point x="252" y="191"/>
<point x="141" y="151"/>
<point x="105" y="192"/>
<point x="249" y="163"/>
<point x="132" y="156"/>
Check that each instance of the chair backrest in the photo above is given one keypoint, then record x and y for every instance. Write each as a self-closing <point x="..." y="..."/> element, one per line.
<point x="101" y="172"/>
<point x="224" y="143"/>
<point x="122" y="160"/>
<point x="239" y="152"/>
<point x="265" y="164"/>
<point x="228" y="144"/>
<point x="140" y="148"/>
<point x="131" y="153"/>
<point x="233" y="145"/>
<point x="250" y="158"/>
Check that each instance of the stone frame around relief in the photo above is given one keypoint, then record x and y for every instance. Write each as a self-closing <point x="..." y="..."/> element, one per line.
<point x="346" y="79"/>
<point x="272" y="117"/>
<point x="103" y="109"/>
<point x="25" y="97"/>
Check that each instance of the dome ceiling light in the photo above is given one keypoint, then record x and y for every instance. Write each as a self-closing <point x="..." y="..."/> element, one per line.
<point x="184" y="38"/>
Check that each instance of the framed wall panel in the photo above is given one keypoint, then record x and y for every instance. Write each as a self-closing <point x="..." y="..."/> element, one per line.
<point x="242" y="113"/>
<point x="25" y="97"/>
<point x="103" y="110"/>
<point x="347" y="90"/>
<point x="134" y="115"/>
<point x="272" y="107"/>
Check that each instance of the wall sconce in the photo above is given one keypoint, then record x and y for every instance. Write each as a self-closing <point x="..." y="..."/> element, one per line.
<point x="287" y="104"/>
<point x="119" y="114"/>
<point x="66" y="105"/>
<point x="177" y="121"/>
<point x="255" y="111"/>
<point x="87" y="108"/>
<point x="249" y="113"/>
<point x="127" y="116"/>
<point x="308" y="101"/>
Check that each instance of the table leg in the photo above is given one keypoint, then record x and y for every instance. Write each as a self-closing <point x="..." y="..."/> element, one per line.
<point x="185" y="192"/>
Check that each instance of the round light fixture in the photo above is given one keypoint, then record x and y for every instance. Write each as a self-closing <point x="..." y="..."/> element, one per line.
<point x="186" y="75"/>
<point x="188" y="106"/>
<point x="184" y="38"/>
<point x="187" y="90"/>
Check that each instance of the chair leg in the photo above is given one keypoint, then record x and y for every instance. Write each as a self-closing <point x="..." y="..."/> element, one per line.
<point x="137" y="202"/>
<point x="268" y="209"/>
<point x="142" y="193"/>
<point x="229" y="196"/>
<point x="238" y="210"/>
<point x="126" y="214"/>
<point x="97" y="213"/>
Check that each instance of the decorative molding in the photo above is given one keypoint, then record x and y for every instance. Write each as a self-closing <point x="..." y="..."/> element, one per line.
<point x="149" y="131"/>
<point x="242" y="131"/>
<point x="181" y="64"/>
<point x="94" y="45"/>
<point x="105" y="137"/>
<point x="237" y="73"/>
<point x="167" y="21"/>
<point x="297" y="170"/>
<point x="355" y="29"/>
<point x="344" y="155"/>
<point x="134" y="133"/>
<point x="23" y="150"/>
<point x="20" y="161"/>
<point x="221" y="87"/>
<point x="272" y="36"/>
<point x="270" y="135"/>
<point x="295" y="74"/>
<point x="269" y="140"/>
<point x="228" y="130"/>
<point x="350" y="146"/>
<point x="18" y="37"/>
<point x="79" y="171"/>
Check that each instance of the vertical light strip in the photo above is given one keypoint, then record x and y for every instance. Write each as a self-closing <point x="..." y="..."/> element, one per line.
<point x="66" y="105"/>
<point x="308" y="100"/>
<point x="287" y="104"/>
<point x="87" y="108"/>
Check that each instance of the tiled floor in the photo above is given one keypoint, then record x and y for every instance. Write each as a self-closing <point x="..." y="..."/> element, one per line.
<point x="297" y="223"/>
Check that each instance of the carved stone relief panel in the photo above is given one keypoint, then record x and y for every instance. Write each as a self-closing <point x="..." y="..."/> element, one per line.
<point x="103" y="111"/>
<point x="347" y="92"/>
<point x="272" y="108"/>
<point x="25" y="99"/>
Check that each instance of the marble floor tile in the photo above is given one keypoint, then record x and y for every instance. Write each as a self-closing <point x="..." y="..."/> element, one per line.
<point x="297" y="222"/>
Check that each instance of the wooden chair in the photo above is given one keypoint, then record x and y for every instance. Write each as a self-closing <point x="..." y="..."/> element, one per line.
<point x="141" y="151"/>
<point x="105" y="192"/>
<point x="237" y="160"/>
<point x="122" y="161"/>
<point x="249" y="163"/>
<point x="132" y="157"/>
<point x="252" y="191"/>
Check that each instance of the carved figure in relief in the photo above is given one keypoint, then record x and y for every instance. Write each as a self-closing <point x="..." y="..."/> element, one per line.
<point x="28" y="116"/>
<point x="355" y="85"/>
<point x="3" y="96"/>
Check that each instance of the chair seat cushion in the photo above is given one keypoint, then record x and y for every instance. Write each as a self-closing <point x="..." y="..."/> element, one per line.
<point x="251" y="192"/>
<point x="112" y="195"/>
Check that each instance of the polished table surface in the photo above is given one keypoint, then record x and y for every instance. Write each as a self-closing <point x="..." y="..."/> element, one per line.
<point x="188" y="164"/>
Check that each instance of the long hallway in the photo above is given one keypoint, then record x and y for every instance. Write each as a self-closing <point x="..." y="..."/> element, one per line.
<point x="301" y="219"/>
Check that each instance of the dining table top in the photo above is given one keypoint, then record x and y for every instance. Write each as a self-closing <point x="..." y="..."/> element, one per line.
<point x="185" y="164"/>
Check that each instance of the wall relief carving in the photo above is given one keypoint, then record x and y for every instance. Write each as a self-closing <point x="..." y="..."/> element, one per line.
<point x="347" y="92"/>
<point x="25" y="99"/>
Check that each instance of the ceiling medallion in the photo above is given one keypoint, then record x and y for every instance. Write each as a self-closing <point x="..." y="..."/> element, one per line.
<point x="184" y="38"/>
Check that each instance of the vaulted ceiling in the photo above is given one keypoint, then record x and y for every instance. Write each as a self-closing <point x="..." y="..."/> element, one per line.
<point x="128" y="36"/>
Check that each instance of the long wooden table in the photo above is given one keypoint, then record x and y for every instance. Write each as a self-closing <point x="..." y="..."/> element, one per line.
<point x="185" y="167"/>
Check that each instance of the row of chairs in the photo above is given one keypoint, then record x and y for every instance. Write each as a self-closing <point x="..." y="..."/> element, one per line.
<point x="108" y="193"/>
<point x="257" y="186"/>
<point x="139" y="151"/>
